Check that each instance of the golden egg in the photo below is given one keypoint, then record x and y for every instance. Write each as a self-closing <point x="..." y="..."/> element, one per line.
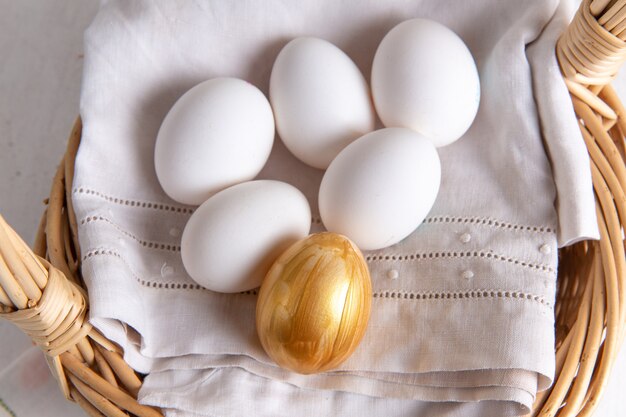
<point x="314" y="304"/>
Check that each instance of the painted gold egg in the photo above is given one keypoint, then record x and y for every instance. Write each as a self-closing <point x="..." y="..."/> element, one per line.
<point x="314" y="304"/>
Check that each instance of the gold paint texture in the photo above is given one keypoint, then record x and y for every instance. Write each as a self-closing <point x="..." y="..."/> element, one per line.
<point x="314" y="304"/>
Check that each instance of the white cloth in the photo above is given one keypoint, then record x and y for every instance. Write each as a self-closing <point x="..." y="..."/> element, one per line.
<point x="466" y="329"/>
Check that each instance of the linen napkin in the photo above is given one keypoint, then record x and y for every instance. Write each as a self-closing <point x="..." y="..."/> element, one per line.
<point x="462" y="316"/>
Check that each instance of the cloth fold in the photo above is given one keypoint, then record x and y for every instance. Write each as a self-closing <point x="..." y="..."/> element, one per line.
<point x="462" y="318"/>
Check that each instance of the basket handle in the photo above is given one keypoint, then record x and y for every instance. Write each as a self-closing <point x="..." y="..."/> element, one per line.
<point x="46" y="301"/>
<point x="593" y="295"/>
<point x="38" y="298"/>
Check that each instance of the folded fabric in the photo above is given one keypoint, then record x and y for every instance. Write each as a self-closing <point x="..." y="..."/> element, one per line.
<point x="235" y="392"/>
<point x="462" y="317"/>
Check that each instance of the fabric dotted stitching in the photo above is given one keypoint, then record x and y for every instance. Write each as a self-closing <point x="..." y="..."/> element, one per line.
<point x="469" y="294"/>
<point x="148" y="204"/>
<point x="134" y="203"/>
<point x="146" y="283"/>
<point x="144" y="243"/>
<point x="479" y="221"/>
<point x="460" y="254"/>
<point x="369" y="258"/>
<point x="388" y="294"/>
<point x="486" y="221"/>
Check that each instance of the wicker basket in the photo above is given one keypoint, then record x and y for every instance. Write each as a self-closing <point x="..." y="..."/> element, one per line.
<point x="42" y="292"/>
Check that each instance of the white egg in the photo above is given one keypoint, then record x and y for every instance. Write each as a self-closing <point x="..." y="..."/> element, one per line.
<point x="320" y="99"/>
<point x="380" y="188"/>
<point x="219" y="133"/>
<point x="424" y="78"/>
<point x="232" y="239"/>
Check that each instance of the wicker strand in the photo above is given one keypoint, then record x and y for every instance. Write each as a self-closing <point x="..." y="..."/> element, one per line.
<point x="5" y="300"/>
<point x="11" y="263"/>
<point x="72" y="150"/>
<point x="609" y="96"/>
<point x="129" y="379"/>
<point x="100" y="402"/>
<point x="602" y="165"/>
<point x="568" y="372"/>
<point x="588" y="52"/>
<point x="85" y="404"/>
<point x="608" y="352"/>
<point x="33" y="265"/>
<point x="39" y="247"/>
<point x="589" y="354"/>
<point x="608" y="11"/>
<point x="87" y="352"/>
<point x="11" y="287"/>
<point x="115" y="395"/>
<point x="597" y="6"/>
<point x="105" y="369"/>
<point x="57" y="322"/>
<point x="54" y="223"/>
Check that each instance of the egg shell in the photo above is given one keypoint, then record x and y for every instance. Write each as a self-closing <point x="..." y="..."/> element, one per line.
<point x="321" y="100"/>
<point x="232" y="239"/>
<point x="380" y="188"/>
<point x="424" y="78"/>
<point x="314" y="304"/>
<point x="219" y="133"/>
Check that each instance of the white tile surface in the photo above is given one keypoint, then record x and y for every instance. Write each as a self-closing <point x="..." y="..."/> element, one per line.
<point x="41" y="46"/>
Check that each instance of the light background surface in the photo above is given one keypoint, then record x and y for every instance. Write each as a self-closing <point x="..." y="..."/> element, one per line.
<point x="40" y="75"/>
